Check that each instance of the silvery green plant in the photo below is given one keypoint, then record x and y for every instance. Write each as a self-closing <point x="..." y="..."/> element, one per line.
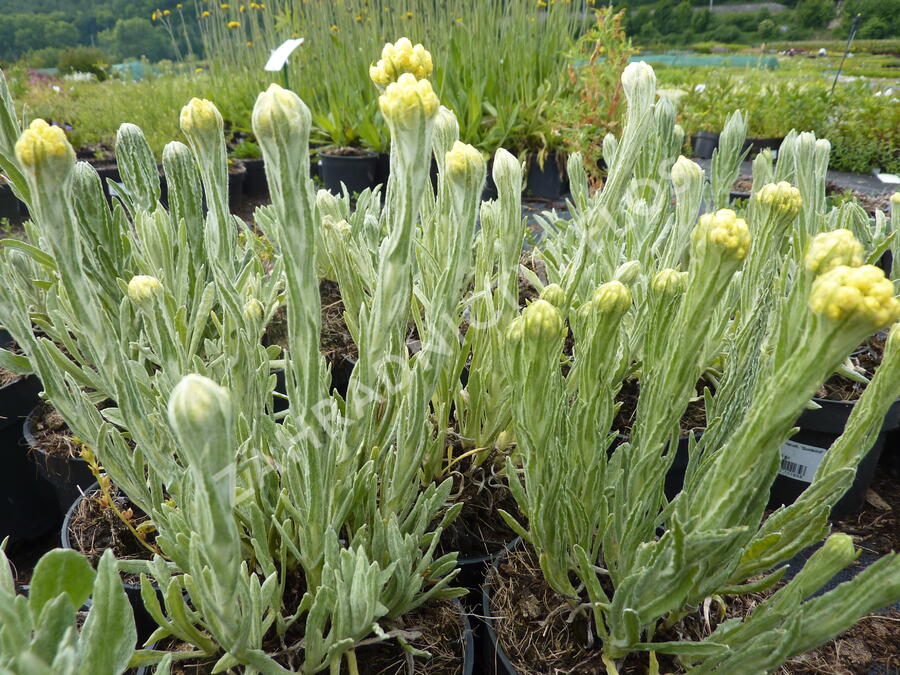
<point x="786" y="305"/>
<point x="171" y="333"/>
<point x="38" y="631"/>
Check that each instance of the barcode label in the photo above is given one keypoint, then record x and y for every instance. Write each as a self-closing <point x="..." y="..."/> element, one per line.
<point x="799" y="461"/>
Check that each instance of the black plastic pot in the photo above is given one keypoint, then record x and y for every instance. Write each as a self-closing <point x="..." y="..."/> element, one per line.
<point x="19" y="397"/>
<point x="802" y="453"/>
<point x="142" y="620"/>
<point x="546" y="182"/>
<point x="28" y="506"/>
<point x="237" y="173"/>
<point x="357" y="172"/>
<point x="255" y="182"/>
<point x="69" y="476"/>
<point x="9" y="205"/>
<point x="756" y="145"/>
<point x="382" y="169"/>
<point x="704" y="144"/>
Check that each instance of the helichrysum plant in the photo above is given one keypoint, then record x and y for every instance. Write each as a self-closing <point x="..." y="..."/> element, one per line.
<point x="769" y="302"/>
<point x="161" y="311"/>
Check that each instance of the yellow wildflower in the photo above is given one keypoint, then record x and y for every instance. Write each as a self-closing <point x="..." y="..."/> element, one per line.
<point x="233" y="24"/>
<point x="204" y="14"/>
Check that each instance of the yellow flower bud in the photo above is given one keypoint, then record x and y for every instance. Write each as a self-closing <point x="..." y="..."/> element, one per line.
<point x="554" y="294"/>
<point x="200" y="116"/>
<point x="895" y="200"/>
<point x="542" y="321"/>
<point x="253" y="310"/>
<point x="855" y="294"/>
<point x="725" y="232"/>
<point x="462" y="158"/>
<point x="781" y="196"/>
<point x="612" y="297"/>
<point x="279" y="109"/>
<point x="668" y="281"/>
<point x="44" y="146"/>
<point x="143" y="288"/>
<point x="685" y="172"/>
<point x="628" y="272"/>
<point x="198" y="406"/>
<point x="833" y="249"/>
<point x="516" y="329"/>
<point x="404" y="100"/>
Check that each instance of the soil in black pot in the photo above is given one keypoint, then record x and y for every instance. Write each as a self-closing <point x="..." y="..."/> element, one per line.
<point x="479" y="530"/>
<point x="335" y="340"/>
<point x="94" y="527"/>
<point x="693" y="420"/>
<point x="537" y="629"/>
<point x="437" y="627"/>
<point x="865" y="360"/>
<point x="52" y="434"/>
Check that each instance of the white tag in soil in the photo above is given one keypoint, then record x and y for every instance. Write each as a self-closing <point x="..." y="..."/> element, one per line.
<point x="799" y="461"/>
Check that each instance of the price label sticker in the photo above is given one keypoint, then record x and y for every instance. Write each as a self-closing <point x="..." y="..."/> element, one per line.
<point x="799" y="461"/>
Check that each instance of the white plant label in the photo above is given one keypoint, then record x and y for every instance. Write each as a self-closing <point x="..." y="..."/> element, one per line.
<point x="799" y="461"/>
<point x="280" y="56"/>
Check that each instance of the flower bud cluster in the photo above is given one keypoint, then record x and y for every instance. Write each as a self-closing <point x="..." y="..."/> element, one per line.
<point x="855" y="293"/>
<point x="684" y="172"/>
<point x="463" y="158"/>
<point x="669" y="281"/>
<point x="725" y="232"/>
<point x="829" y="250"/>
<point x="554" y="294"/>
<point x="279" y="108"/>
<point x="399" y="58"/>
<point x="404" y="100"/>
<point x="781" y="196"/>
<point x="143" y="288"/>
<point x="44" y="146"/>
